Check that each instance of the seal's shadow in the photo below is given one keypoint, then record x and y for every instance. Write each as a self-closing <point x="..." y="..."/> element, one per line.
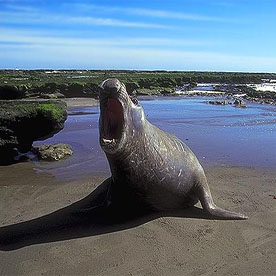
<point x="77" y="220"/>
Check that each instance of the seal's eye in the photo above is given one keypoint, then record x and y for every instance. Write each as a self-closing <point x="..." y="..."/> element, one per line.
<point x="134" y="100"/>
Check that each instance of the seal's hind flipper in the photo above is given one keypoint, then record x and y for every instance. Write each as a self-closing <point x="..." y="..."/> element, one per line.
<point x="210" y="207"/>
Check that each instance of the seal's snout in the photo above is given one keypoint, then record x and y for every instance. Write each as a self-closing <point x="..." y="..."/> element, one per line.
<point x="111" y="86"/>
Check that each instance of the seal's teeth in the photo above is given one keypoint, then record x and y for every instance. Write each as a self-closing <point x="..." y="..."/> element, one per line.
<point x="107" y="141"/>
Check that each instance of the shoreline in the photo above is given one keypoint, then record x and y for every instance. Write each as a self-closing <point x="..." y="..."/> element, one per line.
<point x="80" y="102"/>
<point x="92" y="102"/>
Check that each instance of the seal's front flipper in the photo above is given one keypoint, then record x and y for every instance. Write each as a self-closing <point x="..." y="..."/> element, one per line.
<point x="98" y="200"/>
<point x="210" y="207"/>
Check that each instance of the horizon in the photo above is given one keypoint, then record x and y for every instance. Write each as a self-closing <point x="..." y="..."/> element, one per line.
<point x="218" y="36"/>
<point x="137" y="70"/>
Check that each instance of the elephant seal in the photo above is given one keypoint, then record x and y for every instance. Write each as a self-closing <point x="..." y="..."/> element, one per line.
<point x="150" y="168"/>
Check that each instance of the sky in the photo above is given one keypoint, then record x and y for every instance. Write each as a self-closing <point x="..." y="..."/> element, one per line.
<point x="189" y="35"/>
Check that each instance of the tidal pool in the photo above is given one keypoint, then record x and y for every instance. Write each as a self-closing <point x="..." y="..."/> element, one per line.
<point x="218" y="135"/>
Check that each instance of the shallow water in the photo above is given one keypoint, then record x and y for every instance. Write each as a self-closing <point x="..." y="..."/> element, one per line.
<point x="218" y="135"/>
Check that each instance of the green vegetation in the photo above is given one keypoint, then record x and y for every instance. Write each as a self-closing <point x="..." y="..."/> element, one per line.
<point x="262" y="95"/>
<point x="53" y="111"/>
<point x="73" y="81"/>
<point x="84" y="83"/>
<point x="16" y="111"/>
<point x="143" y="79"/>
<point x="22" y="122"/>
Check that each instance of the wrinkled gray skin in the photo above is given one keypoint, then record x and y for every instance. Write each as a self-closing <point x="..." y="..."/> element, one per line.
<point x="150" y="168"/>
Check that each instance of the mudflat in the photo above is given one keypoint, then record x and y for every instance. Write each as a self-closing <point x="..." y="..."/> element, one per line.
<point x="179" y="243"/>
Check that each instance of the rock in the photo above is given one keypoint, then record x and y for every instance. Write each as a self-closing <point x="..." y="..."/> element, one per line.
<point x="11" y="92"/>
<point x="48" y="96"/>
<point x="59" y="95"/>
<point x="239" y="103"/>
<point x="56" y="95"/>
<point x="145" y="91"/>
<point x="131" y="87"/>
<point x="52" y="152"/>
<point x="219" y="102"/>
<point x="22" y="122"/>
<point x="7" y="137"/>
<point x="166" y="91"/>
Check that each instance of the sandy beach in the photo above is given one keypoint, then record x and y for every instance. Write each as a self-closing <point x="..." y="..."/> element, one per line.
<point x="181" y="243"/>
<point x="184" y="242"/>
<point x="80" y="102"/>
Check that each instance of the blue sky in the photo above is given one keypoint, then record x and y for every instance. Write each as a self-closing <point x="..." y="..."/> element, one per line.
<point x="215" y="35"/>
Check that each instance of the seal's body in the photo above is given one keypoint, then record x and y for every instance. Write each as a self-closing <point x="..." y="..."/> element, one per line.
<point x="150" y="168"/>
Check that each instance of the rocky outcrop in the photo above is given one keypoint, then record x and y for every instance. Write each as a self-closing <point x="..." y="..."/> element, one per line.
<point x="218" y="102"/>
<point x="131" y="87"/>
<point x="56" y="95"/>
<point x="239" y="103"/>
<point x="12" y="92"/>
<point x="52" y="152"/>
<point x="22" y="122"/>
<point x="54" y="90"/>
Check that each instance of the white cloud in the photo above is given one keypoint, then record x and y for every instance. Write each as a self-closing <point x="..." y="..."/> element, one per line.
<point x="35" y="17"/>
<point x="88" y="20"/>
<point x="32" y="37"/>
<point x="151" y="13"/>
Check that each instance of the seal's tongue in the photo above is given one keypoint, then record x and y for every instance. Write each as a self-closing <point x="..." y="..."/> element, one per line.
<point x="113" y="119"/>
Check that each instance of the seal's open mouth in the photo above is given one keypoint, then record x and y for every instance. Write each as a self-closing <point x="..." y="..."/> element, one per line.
<point x="113" y="119"/>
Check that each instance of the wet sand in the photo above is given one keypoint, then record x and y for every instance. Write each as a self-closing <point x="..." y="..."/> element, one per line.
<point x="80" y="102"/>
<point x="180" y="243"/>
